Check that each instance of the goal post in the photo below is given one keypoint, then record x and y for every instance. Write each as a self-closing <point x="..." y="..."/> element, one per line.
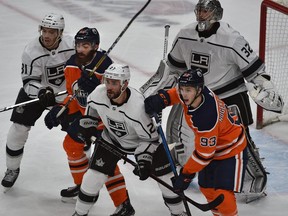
<point x="273" y="50"/>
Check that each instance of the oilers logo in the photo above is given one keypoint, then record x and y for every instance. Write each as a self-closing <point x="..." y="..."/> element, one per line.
<point x="202" y="61"/>
<point x="81" y="96"/>
<point x="55" y="75"/>
<point x="118" y="128"/>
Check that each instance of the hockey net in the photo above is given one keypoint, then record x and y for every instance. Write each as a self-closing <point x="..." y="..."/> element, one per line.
<point x="273" y="50"/>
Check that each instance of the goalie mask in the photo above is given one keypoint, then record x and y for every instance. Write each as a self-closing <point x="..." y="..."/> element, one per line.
<point x="208" y="12"/>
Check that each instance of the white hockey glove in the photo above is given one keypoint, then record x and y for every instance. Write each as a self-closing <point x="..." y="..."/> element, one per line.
<point x="262" y="91"/>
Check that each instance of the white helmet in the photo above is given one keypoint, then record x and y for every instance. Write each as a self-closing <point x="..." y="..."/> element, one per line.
<point x="118" y="72"/>
<point x="54" y="21"/>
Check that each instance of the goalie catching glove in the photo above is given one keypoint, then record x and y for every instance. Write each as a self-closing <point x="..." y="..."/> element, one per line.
<point x="262" y="91"/>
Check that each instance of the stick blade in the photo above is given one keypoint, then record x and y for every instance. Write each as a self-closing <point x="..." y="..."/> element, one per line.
<point x="213" y="204"/>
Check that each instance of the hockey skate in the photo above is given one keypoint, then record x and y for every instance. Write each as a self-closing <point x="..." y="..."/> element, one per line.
<point x="70" y="194"/>
<point x="10" y="178"/>
<point x="125" y="209"/>
<point x="182" y="214"/>
<point x="76" y="214"/>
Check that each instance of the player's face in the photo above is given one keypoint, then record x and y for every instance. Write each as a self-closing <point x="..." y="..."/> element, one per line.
<point x="83" y="49"/>
<point x="203" y="14"/>
<point x="50" y="37"/>
<point x="113" y="88"/>
<point x="188" y="94"/>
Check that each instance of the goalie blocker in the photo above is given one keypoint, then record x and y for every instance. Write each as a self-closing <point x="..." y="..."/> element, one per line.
<point x="178" y="133"/>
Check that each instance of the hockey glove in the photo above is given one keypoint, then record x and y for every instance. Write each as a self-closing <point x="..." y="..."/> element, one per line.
<point x="46" y="97"/>
<point x="88" y="82"/>
<point x="51" y="119"/>
<point x="86" y="128"/>
<point x="156" y="103"/>
<point x="182" y="182"/>
<point x="262" y="91"/>
<point x="144" y="166"/>
<point x="144" y="157"/>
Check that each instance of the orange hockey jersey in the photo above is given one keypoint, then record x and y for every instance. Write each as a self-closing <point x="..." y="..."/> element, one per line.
<point x="73" y="73"/>
<point x="217" y="135"/>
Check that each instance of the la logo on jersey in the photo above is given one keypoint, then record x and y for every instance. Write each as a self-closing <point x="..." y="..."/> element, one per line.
<point x="55" y="75"/>
<point x="202" y="61"/>
<point x="118" y="128"/>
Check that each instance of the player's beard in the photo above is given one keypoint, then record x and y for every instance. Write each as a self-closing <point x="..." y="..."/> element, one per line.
<point x="113" y="95"/>
<point x="82" y="59"/>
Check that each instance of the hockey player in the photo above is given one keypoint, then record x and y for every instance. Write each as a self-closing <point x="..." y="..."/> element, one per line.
<point x="77" y="76"/>
<point x="220" y="154"/>
<point x="128" y="127"/>
<point x="43" y="62"/>
<point x="226" y="60"/>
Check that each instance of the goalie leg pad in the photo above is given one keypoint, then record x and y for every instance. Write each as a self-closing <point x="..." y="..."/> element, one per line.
<point x="255" y="176"/>
<point x="255" y="179"/>
<point x="178" y="132"/>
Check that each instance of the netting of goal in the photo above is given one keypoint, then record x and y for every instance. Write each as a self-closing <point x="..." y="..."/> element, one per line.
<point x="273" y="49"/>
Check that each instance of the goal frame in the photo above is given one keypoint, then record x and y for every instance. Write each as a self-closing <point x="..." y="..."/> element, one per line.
<point x="262" y="41"/>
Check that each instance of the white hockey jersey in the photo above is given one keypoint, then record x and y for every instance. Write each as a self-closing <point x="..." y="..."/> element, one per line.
<point x="127" y="126"/>
<point x="225" y="58"/>
<point x="42" y="67"/>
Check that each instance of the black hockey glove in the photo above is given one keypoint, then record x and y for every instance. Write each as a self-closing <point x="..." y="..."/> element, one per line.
<point x="182" y="182"/>
<point x="85" y="128"/>
<point x="144" y="165"/>
<point x="51" y="119"/>
<point x="88" y="83"/>
<point x="46" y="97"/>
<point x="156" y="103"/>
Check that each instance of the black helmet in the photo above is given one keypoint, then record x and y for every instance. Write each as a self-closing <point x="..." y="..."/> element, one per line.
<point x="88" y="34"/>
<point x="192" y="77"/>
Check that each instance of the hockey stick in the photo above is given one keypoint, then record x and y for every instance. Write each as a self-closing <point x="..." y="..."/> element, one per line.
<point x="166" y="35"/>
<point x="154" y="80"/>
<point x="203" y="207"/>
<point x="28" y="102"/>
<point x="104" y="56"/>
<point x="168" y="153"/>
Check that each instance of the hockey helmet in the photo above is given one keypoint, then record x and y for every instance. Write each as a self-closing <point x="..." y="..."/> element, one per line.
<point x="118" y="72"/>
<point x="215" y="13"/>
<point x="192" y="77"/>
<point x="88" y="34"/>
<point x="54" y="21"/>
